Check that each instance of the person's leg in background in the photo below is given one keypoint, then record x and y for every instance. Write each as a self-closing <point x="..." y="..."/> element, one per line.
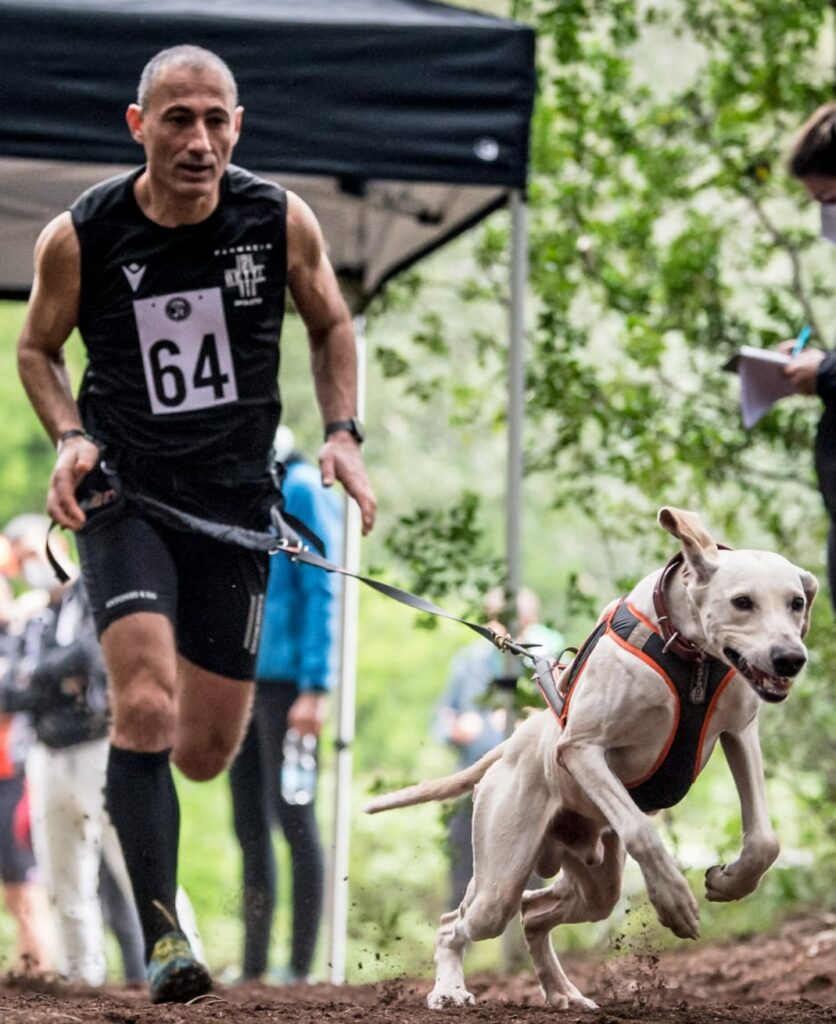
<point x="24" y="896"/>
<point x="118" y="907"/>
<point x="459" y="829"/>
<point x="66" y="830"/>
<point x="299" y="825"/>
<point x="252" y="827"/>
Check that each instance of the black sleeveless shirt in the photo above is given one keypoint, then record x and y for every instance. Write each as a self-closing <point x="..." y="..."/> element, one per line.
<point x="182" y="325"/>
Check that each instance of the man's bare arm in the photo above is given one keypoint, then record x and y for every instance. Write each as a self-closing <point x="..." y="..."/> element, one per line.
<point x="317" y="296"/>
<point x="51" y="316"/>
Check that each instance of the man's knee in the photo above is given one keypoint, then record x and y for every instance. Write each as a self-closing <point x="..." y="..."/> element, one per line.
<point x="201" y="762"/>
<point x="143" y="717"/>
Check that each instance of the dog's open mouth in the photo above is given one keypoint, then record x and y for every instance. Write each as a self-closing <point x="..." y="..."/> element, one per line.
<point x="769" y="688"/>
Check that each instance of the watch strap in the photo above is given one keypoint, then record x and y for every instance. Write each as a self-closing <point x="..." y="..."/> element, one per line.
<point x="351" y="426"/>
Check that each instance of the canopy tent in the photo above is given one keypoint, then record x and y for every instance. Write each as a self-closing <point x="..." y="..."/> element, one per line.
<point x="401" y="122"/>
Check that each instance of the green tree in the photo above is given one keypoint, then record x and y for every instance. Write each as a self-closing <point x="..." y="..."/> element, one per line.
<point x="664" y="234"/>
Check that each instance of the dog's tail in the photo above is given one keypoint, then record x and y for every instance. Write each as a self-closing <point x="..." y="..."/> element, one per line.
<point x="447" y="788"/>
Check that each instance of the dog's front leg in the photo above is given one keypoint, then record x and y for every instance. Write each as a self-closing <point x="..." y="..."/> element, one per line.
<point x="760" y="844"/>
<point x="669" y="892"/>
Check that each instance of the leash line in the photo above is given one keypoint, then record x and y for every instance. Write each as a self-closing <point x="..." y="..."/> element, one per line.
<point x="287" y="541"/>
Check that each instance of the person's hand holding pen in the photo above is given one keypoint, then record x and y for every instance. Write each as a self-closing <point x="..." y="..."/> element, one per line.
<point x="804" y="364"/>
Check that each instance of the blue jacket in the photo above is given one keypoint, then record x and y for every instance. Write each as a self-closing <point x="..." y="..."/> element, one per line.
<point x="300" y="607"/>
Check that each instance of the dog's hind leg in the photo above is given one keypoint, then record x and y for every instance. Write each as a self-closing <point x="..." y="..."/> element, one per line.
<point x="510" y="816"/>
<point x="582" y="892"/>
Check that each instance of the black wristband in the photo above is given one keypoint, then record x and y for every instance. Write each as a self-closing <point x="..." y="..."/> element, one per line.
<point x="352" y="426"/>
<point x="66" y="435"/>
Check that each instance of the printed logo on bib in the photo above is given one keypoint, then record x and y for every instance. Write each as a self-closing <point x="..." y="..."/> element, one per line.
<point x="185" y="349"/>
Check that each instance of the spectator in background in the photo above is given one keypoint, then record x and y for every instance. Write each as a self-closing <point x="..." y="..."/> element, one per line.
<point x="812" y="161"/>
<point x="293" y="676"/>
<point x="59" y="661"/>
<point x="24" y="898"/>
<point x="466" y="719"/>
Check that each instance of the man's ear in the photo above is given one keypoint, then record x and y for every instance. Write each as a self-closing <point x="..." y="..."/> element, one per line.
<point x="698" y="547"/>
<point x="237" y="122"/>
<point x="811" y="588"/>
<point x="133" y="115"/>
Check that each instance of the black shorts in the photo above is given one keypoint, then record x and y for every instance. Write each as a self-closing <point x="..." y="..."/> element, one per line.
<point x="212" y="592"/>
<point x="17" y="862"/>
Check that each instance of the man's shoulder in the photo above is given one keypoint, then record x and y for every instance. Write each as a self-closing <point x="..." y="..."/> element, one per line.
<point x="243" y="184"/>
<point x="103" y="196"/>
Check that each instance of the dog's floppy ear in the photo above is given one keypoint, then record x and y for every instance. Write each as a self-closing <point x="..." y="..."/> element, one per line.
<point x="811" y="587"/>
<point x="697" y="545"/>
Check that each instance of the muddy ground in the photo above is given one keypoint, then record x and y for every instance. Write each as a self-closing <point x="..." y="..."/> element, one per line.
<point x="788" y="977"/>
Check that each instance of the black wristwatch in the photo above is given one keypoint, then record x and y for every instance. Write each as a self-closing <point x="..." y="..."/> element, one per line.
<point x="352" y="426"/>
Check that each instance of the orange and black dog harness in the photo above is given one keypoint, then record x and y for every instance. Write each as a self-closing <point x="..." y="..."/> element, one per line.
<point x="695" y="683"/>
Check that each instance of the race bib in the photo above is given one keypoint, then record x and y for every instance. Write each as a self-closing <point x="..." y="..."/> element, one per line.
<point x="185" y="351"/>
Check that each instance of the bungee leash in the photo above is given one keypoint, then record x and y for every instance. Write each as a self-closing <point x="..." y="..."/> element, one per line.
<point x="285" y="539"/>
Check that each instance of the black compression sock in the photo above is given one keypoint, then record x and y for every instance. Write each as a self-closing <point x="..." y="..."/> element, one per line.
<point x="142" y="801"/>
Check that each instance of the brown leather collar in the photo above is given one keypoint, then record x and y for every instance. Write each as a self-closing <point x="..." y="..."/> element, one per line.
<point x="677" y="644"/>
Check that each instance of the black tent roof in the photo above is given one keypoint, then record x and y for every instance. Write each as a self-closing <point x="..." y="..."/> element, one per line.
<point x="400" y="121"/>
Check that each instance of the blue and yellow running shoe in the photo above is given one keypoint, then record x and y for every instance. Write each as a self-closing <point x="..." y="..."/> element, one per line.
<point x="175" y="975"/>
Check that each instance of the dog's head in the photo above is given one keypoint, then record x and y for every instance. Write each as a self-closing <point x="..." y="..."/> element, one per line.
<point x="753" y="607"/>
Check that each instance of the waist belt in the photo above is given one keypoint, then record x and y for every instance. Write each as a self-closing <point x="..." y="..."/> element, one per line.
<point x="695" y="686"/>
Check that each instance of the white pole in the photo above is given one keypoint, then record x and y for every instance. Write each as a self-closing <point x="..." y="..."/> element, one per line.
<point x="516" y="389"/>
<point x="344" y="728"/>
<point x="516" y="410"/>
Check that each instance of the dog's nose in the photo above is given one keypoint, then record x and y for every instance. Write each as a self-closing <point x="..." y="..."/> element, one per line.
<point x="787" y="661"/>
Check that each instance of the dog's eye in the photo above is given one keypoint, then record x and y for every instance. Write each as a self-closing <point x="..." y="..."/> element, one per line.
<point x="743" y="603"/>
<point x="797" y="604"/>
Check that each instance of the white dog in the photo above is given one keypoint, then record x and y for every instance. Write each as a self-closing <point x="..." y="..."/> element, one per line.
<point x="684" y="661"/>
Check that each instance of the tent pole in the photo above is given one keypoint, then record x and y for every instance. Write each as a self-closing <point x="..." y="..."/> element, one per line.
<point x="345" y="710"/>
<point x="513" y="509"/>
<point x="516" y="389"/>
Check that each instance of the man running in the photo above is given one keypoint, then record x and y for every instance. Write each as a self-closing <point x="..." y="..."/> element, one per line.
<point x="175" y="275"/>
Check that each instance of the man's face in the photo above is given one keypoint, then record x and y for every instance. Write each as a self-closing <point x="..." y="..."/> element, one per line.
<point x="188" y="129"/>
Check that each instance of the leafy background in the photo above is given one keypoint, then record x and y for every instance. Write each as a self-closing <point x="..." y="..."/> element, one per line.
<point x="664" y="234"/>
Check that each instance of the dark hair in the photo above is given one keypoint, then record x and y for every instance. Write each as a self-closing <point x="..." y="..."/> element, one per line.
<point x="814" y="148"/>
<point x="189" y="56"/>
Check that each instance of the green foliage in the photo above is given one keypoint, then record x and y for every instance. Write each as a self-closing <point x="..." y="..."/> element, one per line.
<point x="664" y="234"/>
<point x="443" y="551"/>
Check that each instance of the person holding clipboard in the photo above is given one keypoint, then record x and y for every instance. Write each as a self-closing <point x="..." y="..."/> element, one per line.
<point x="812" y="371"/>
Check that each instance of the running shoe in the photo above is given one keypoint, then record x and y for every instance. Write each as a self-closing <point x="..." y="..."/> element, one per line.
<point x="175" y="975"/>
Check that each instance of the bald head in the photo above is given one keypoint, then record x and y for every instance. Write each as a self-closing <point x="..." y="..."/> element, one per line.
<point x="194" y="58"/>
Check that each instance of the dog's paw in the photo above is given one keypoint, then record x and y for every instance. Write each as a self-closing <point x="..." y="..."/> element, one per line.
<point x="442" y="998"/>
<point x="676" y="907"/>
<point x="569" y="1001"/>
<point x="723" y="886"/>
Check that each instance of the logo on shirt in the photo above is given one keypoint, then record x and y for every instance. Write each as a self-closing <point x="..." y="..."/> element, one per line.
<point x="177" y="308"/>
<point x="134" y="272"/>
<point x="246" y="276"/>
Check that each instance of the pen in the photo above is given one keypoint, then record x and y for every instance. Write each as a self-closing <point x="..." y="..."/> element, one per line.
<point x="801" y="340"/>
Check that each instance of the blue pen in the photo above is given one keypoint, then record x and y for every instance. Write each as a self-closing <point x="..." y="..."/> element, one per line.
<point x="801" y="340"/>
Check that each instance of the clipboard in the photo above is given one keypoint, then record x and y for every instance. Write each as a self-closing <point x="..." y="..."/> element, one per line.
<point x="762" y="380"/>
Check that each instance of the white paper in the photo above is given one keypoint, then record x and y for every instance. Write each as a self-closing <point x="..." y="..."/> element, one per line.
<point x="762" y="381"/>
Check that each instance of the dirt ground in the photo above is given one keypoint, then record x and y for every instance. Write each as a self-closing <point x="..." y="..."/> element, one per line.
<point x="785" y="978"/>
